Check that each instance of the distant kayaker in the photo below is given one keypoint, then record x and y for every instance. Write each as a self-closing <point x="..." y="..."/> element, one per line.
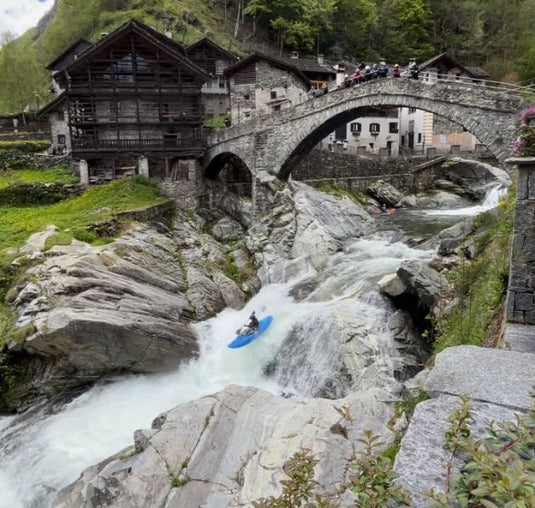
<point x="384" y="209"/>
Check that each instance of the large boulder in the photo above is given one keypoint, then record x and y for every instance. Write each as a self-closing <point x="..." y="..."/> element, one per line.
<point x="385" y="193"/>
<point x="451" y="238"/>
<point x="326" y="221"/>
<point x="422" y="281"/>
<point x="473" y="174"/>
<point x="498" y="382"/>
<point x="229" y="449"/>
<point x="85" y="312"/>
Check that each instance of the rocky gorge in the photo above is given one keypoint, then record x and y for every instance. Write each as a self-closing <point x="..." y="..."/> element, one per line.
<point x="343" y="354"/>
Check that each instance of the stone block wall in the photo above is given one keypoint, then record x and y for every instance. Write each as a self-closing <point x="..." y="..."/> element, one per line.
<point x="521" y="290"/>
<point x="358" y="173"/>
<point x="186" y="188"/>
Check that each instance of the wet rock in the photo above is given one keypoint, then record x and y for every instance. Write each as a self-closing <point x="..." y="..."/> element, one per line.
<point x="385" y="193"/>
<point x="391" y="285"/>
<point x="422" y="281"/>
<point x="451" y="238"/>
<point x="441" y="199"/>
<point x="229" y="449"/>
<point x="227" y="230"/>
<point x="473" y="175"/>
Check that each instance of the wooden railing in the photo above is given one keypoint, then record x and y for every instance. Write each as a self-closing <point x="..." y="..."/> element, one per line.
<point x="138" y="144"/>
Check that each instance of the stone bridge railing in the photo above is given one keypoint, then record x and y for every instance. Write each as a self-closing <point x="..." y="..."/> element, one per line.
<point x="274" y="143"/>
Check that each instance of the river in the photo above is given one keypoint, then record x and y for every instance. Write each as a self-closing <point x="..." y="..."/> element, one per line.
<point x="42" y="452"/>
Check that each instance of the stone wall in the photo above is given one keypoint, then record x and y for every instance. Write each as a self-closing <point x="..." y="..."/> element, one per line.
<point x="355" y="172"/>
<point x="521" y="290"/>
<point x="34" y="161"/>
<point x="38" y="194"/>
<point x="186" y="188"/>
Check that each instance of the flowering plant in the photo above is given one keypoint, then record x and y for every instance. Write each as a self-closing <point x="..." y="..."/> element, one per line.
<point x="525" y="144"/>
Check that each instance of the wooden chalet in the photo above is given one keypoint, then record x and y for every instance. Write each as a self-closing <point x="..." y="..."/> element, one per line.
<point x="135" y="93"/>
<point x="213" y="60"/>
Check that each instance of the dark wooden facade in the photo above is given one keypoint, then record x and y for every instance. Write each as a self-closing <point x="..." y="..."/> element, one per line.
<point x="134" y="92"/>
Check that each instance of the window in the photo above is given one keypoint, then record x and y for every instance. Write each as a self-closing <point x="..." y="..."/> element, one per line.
<point x="355" y="127"/>
<point x="277" y="107"/>
<point x="419" y="137"/>
<point x="273" y="94"/>
<point x="412" y="110"/>
<point x="61" y="139"/>
<point x="246" y="96"/>
<point x="393" y="128"/>
<point x="220" y="66"/>
<point x="375" y="128"/>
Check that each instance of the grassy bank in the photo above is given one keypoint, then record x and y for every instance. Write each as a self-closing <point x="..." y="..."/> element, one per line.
<point x="480" y="286"/>
<point x="53" y="175"/>
<point x="95" y="205"/>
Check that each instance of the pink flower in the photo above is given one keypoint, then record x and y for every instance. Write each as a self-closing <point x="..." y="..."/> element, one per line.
<point x="529" y="113"/>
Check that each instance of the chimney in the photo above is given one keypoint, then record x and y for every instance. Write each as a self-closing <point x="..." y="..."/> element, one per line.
<point x="321" y="60"/>
<point x="295" y="55"/>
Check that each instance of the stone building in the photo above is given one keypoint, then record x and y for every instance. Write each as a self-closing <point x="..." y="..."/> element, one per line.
<point x="213" y="60"/>
<point x="133" y="103"/>
<point x="421" y="129"/>
<point x="260" y="84"/>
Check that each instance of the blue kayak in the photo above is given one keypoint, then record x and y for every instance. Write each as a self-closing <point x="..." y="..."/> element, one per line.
<point x="243" y="340"/>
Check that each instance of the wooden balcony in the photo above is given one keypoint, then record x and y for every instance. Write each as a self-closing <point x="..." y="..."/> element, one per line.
<point x="190" y="145"/>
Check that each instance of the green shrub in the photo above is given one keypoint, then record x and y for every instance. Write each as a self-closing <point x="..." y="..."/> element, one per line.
<point x="84" y="235"/>
<point x="29" y="146"/>
<point x="298" y="490"/>
<point x="480" y="286"/>
<point x="496" y="470"/>
<point x="340" y="192"/>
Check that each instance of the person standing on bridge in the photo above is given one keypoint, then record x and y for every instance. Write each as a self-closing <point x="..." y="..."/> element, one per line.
<point x="396" y="72"/>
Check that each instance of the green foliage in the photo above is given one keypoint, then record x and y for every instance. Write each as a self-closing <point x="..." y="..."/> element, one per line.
<point x="374" y="480"/>
<point x="357" y="196"/>
<point x="233" y="272"/>
<point x="53" y="175"/>
<point x="216" y="123"/>
<point x="61" y="238"/>
<point x="96" y="204"/>
<point x="298" y="490"/>
<point x="480" y="286"/>
<point x="179" y="481"/>
<point x="23" y="146"/>
<point x="496" y="470"/>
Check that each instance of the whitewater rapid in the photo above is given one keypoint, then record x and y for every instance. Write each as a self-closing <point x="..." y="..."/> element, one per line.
<point x="46" y="452"/>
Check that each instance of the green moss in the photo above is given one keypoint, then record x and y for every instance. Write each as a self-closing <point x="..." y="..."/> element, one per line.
<point x="357" y="196"/>
<point x="232" y="271"/>
<point x="60" y="238"/>
<point x="179" y="482"/>
<point x="19" y="335"/>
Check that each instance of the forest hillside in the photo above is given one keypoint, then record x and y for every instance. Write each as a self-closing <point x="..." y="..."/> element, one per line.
<point x="497" y="35"/>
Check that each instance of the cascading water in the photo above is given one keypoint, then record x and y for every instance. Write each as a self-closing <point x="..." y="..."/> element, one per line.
<point x="316" y="313"/>
<point x="42" y="453"/>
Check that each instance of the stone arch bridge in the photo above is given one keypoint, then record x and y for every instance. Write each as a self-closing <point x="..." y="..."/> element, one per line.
<point x="271" y="145"/>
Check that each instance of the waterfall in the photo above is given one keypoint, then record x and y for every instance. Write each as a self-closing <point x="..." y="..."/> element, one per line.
<point x="300" y="354"/>
<point x="492" y="198"/>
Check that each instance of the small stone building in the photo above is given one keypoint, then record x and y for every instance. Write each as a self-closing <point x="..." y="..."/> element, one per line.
<point x="213" y="60"/>
<point x="260" y="84"/>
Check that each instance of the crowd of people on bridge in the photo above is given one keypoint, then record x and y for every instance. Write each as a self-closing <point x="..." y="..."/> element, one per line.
<point x="365" y="72"/>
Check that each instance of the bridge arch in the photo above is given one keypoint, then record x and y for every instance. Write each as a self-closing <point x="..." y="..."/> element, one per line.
<point x="271" y="144"/>
<point x="232" y="172"/>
